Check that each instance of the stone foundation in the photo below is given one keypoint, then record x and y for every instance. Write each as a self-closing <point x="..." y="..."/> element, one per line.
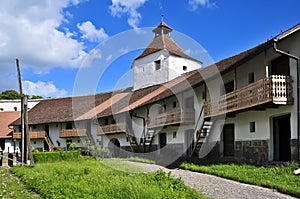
<point x="294" y="147"/>
<point x="252" y="151"/>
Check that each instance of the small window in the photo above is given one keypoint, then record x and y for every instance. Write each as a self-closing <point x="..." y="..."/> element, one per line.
<point x="15" y="108"/>
<point x="174" y="134"/>
<point x="69" y="125"/>
<point x="174" y="104"/>
<point x="127" y="139"/>
<point x="252" y="127"/>
<point x="250" y="78"/>
<point x="78" y="141"/>
<point x="1" y="109"/>
<point x="34" y="142"/>
<point x="184" y="68"/>
<point x="157" y="64"/>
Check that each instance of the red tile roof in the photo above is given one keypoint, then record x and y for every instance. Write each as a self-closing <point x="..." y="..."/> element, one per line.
<point x="167" y="43"/>
<point x="6" y="118"/>
<point x="99" y="105"/>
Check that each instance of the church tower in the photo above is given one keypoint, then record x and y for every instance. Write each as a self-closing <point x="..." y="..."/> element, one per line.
<point x="162" y="61"/>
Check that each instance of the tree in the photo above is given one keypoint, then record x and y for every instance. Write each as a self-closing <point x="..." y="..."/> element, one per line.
<point x="36" y="97"/>
<point x="10" y="94"/>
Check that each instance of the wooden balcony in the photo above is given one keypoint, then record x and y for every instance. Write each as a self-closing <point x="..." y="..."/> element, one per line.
<point x="274" y="90"/>
<point x="174" y="117"/>
<point x="112" y="128"/>
<point x="32" y="135"/>
<point x="68" y="133"/>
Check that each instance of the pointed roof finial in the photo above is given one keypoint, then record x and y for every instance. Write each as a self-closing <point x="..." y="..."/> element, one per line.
<point x="162" y="17"/>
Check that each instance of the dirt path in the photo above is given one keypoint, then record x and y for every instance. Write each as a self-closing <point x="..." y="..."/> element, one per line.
<point x="216" y="187"/>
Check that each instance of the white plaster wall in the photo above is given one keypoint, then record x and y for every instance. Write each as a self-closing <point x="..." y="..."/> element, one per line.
<point x="10" y="105"/>
<point x="176" y="66"/>
<point x="144" y="70"/>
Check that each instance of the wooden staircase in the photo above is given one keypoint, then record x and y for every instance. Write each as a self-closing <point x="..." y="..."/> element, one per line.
<point x="202" y="129"/>
<point x="49" y="142"/>
<point x="148" y="138"/>
<point x="132" y="140"/>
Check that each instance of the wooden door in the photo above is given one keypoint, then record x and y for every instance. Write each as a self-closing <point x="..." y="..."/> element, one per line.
<point x="228" y="139"/>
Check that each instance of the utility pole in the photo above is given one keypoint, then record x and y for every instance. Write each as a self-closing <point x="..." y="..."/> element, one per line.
<point x="26" y="144"/>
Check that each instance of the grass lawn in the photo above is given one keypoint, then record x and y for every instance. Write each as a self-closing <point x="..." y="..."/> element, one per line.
<point x="96" y="179"/>
<point x="278" y="178"/>
<point x="11" y="187"/>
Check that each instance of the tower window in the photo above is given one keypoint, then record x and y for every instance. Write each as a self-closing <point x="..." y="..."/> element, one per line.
<point x="184" y="68"/>
<point x="157" y="64"/>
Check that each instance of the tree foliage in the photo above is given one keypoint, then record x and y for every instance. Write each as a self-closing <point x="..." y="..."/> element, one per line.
<point x="12" y="94"/>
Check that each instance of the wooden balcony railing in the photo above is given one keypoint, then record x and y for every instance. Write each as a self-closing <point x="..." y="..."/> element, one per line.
<point x="72" y="133"/>
<point x="32" y="135"/>
<point x="173" y="117"/>
<point x="276" y="89"/>
<point x="112" y="128"/>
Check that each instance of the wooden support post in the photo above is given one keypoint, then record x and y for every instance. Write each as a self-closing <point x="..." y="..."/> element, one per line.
<point x="26" y="145"/>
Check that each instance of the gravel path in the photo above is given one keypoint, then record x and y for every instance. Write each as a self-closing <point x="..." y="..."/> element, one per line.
<point x="216" y="187"/>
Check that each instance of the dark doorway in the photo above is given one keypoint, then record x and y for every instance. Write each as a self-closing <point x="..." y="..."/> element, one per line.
<point x="281" y="138"/>
<point x="2" y="145"/>
<point x="189" y="142"/>
<point x="228" y="87"/>
<point x="46" y="146"/>
<point x="280" y="66"/>
<point x="162" y="140"/>
<point x="228" y="139"/>
<point x="69" y="142"/>
<point x="114" y="147"/>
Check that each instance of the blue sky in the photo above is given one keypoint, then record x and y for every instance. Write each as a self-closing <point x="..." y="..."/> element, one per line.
<point x="54" y="39"/>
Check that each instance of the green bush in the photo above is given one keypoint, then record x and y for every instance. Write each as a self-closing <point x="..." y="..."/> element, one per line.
<point x="59" y="156"/>
<point x="46" y="157"/>
<point x="70" y="155"/>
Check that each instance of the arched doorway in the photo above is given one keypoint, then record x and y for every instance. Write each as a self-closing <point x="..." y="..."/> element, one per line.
<point x="114" y="147"/>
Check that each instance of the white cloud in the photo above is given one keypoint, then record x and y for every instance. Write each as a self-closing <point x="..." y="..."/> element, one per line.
<point x="196" y="3"/>
<point x="91" y="33"/>
<point x="129" y="7"/>
<point x="30" y="31"/>
<point x="45" y="89"/>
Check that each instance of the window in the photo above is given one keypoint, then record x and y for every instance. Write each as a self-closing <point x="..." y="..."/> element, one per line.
<point x="157" y="64"/>
<point x="184" y="68"/>
<point x="250" y="78"/>
<point x="15" y="108"/>
<point x="1" y="109"/>
<point x="252" y="127"/>
<point x="174" y="104"/>
<point x="174" y="134"/>
<point x="78" y="141"/>
<point x="69" y="125"/>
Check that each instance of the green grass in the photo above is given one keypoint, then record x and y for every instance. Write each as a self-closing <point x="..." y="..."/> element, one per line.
<point x="278" y="178"/>
<point x="96" y="179"/>
<point x="138" y="159"/>
<point x="11" y="187"/>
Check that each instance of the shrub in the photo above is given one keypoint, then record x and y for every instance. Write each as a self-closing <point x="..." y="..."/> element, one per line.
<point x="47" y="157"/>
